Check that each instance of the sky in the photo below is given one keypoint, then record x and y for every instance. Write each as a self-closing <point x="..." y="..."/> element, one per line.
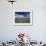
<point x="25" y="14"/>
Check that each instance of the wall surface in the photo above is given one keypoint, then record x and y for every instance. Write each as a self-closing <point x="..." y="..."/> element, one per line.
<point x="8" y="31"/>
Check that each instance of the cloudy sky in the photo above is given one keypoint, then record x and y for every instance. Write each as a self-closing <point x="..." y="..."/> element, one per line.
<point x="22" y="14"/>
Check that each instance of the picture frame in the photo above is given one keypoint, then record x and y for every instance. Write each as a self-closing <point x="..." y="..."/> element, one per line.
<point x="23" y="18"/>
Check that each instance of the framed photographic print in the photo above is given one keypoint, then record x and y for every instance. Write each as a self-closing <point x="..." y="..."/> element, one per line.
<point x="23" y="18"/>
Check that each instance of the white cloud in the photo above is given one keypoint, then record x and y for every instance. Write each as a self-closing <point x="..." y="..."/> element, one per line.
<point x="19" y="16"/>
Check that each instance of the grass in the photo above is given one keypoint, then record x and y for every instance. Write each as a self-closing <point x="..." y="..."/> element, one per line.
<point x="22" y="20"/>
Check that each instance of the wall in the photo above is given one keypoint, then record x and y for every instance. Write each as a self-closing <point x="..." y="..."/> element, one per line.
<point x="9" y="31"/>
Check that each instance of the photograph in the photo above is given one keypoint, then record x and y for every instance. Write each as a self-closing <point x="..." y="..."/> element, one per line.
<point x="23" y="18"/>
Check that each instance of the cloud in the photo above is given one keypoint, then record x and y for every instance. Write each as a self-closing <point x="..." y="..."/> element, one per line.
<point x="19" y="16"/>
<point x="27" y="15"/>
